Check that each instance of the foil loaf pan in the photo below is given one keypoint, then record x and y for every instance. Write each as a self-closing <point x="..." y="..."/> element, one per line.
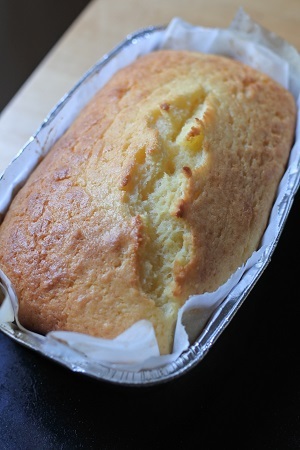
<point x="245" y="40"/>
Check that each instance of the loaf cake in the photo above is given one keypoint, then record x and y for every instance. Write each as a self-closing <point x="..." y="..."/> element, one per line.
<point x="160" y="189"/>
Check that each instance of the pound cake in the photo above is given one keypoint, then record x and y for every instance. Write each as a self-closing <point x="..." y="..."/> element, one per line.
<point x="160" y="189"/>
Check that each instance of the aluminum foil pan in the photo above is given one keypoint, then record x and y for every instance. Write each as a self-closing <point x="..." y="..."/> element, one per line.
<point x="53" y="127"/>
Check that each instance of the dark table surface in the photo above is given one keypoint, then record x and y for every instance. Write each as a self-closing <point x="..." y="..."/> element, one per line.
<point x="245" y="394"/>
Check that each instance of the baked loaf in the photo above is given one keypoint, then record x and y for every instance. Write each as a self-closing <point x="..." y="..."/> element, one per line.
<point x="160" y="189"/>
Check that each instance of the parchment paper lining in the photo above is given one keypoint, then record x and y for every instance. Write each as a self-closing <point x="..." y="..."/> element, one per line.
<point x="137" y="349"/>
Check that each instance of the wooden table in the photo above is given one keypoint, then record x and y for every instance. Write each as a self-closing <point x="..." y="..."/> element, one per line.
<point x="245" y="394"/>
<point x="102" y="25"/>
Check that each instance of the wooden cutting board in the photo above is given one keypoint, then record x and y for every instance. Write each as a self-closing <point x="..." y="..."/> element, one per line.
<point x="101" y="26"/>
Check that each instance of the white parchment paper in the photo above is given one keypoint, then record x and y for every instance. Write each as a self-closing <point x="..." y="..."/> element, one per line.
<point x="137" y="348"/>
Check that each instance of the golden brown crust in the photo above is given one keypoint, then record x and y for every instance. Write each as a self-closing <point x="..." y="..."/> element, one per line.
<point x="160" y="189"/>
